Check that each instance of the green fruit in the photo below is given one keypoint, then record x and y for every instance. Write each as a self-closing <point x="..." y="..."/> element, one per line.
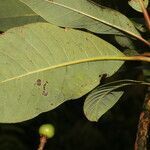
<point x="47" y="130"/>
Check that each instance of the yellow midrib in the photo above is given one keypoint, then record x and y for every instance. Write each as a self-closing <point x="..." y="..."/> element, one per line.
<point x="63" y="65"/>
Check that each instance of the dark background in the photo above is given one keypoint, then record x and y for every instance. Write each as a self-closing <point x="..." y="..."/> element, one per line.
<point x="116" y="130"/>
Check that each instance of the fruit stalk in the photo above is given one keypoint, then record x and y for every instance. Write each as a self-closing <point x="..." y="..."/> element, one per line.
<point x="43" y="141"/>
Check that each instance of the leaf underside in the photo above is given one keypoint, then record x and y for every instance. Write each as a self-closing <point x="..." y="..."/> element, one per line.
<point x="36" y="73"/>
<point x="99" y="101"/>
<point x="104" y="97"/>
<point x="13" y="13"/>
<point x="82" y="14"/>
<point x="135" y="4"/>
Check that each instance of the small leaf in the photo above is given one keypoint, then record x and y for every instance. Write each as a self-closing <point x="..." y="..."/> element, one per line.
<point x="43" y="66"/>
<point x="135" y="4"/>
<point x="139" y="23"/>
<point x="100" y="100"/>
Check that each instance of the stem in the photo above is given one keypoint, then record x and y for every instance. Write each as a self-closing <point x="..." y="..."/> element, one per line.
<point x="144" y="125"/>
<point x="147" y="54"/>
<point x="146" y="15"/>
<point x="126" y="58"/>
<point x="43" y="141"/>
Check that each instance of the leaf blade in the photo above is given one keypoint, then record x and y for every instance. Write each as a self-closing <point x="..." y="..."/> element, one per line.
<point x="104" y="97"/>
<point x="34" y="74"/>
<point x="83" y="14"/>
<point x="14" y="13"/>
<point x="135" y="4"/>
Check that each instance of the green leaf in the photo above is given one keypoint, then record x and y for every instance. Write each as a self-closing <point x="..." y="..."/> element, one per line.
<point x="135" y="4"/>
<point x="130" y="52"/>
<point x="83" y="14"/>
<point x="139" y="23"/>
<point x="13" y="13"/>
<point x="42" y="66"/>
<point x="104" y="97"/>
<point x="124" y="41"/>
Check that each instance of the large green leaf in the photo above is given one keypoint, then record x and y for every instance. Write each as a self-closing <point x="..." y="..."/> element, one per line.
<point x="83" y="14"/>
<point x="104" y="97"/>
<point x="42" y="66"/>
<point x="14" y="13"/>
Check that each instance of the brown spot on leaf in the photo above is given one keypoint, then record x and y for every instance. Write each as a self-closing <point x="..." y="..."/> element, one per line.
<point x="44" y="85"/>
<point x="103" y="78"/>
<point x="45" y="92"/>
<point x="38" y="82"/>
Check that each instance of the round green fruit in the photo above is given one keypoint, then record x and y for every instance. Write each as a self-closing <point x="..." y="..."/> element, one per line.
<point x="47" y="130"/>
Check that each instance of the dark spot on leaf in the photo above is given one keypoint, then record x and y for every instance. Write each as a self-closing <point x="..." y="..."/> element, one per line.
<point x="44" y="93"/>
<point x="103" y="78"/>
<point x="82" y="85"/>
<point x="44" y="85"/>
<point x="38" y="82"/>
<point x="1" y="32"/>
<point x="51" y="104"/>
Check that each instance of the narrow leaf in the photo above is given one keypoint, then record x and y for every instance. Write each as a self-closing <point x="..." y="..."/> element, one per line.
<point x="124" y="41"/>
<point x="104" y="97"/>
<point x="13" y="13"/>
<point x="83" y="14"/>
<point x="139" y="23"/>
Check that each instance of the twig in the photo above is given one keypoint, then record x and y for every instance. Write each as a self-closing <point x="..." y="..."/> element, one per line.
<point x="43" y="141"/>
<point x="146" y="54"/>
<point x="144" y="125"/>
<point x="145" y="13"/>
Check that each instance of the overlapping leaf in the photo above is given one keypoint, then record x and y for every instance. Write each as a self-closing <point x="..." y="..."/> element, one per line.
<point x="124" y="41"/>
<point x="100" y="100"/>
<point x="82" y="14"/>
<point x="14" y="13"/>
<point x="42" y="66"/>
<point x="139" y="23"/>
<point x="135" y="4"/>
